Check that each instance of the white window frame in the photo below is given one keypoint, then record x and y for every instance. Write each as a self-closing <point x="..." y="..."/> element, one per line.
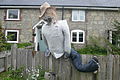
<point x="78" y="15"/>
<point x="7" y="14"/>
<point x="6" y="33"/>
<point x="119" y="44"/>
<point x="111" y="37"/>
<point x="77" y="31"/>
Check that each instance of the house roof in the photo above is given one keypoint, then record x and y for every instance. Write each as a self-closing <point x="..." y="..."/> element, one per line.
<point x="76" y="3"/>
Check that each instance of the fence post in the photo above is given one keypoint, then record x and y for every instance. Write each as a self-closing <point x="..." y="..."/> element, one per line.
<point x="13" y="56"/>
<point x="6" y="61"/>
<point x="33" y="60"/>
<point x="110" y="67"/>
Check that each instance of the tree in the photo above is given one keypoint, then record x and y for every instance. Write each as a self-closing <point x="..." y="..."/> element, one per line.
<point x="2" y="39"/>
<point x="116" y="24"/>
<point x="116" y="34"/>
<point x="115" y="46"/>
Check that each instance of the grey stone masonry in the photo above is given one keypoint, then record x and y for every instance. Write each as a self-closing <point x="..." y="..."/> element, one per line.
<point x="97" y="22"/>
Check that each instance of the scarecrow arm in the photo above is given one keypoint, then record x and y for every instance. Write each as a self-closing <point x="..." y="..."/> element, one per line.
<point x="66" y="33"/>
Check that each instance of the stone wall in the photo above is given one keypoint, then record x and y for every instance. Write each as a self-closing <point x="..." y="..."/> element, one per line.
<point x="29" y="17"/>
<point x="96" y="23"/>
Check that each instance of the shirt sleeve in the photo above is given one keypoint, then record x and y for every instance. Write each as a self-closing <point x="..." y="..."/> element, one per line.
<point x="66" y="33"/>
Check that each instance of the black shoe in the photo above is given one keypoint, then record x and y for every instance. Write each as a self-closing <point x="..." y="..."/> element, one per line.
<point x="52" y="73"/>
<point x="95" y="58"/>
<point x="96" y="71"/>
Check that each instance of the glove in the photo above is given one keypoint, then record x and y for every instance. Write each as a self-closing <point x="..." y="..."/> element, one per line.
<point x="66" y="55"/>
<point x="41" y="24"/>
<point x="47" y="52"/>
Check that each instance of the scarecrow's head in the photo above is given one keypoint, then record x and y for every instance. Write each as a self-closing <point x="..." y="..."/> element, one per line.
<point x="48" y="13"/>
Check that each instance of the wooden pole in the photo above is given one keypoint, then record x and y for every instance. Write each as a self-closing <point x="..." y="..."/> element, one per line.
<point x="6" y="61"/>
<point x="13" y="56"/>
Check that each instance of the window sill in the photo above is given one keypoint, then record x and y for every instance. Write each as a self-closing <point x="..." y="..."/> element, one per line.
<point x="12" y="42"/>
<point x="12" y="20"/>
<point x="78" y="42"/>
<point x="77" y="21"/>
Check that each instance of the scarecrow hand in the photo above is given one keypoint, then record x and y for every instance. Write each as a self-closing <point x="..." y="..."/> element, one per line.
<point x="41" y="24"/>
<point x="66" y="55"/>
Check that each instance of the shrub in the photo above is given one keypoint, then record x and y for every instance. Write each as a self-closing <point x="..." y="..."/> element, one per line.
<point x="115" y="45"/>
<point x="3" y="45"/>
<point x="23" y="45"/>
<point x="94" y="47"/>
<point x="12" y="75"/>
<point x="2" y="39"/>
<point x="19" y="74"/>
<point x="93" y="50"/>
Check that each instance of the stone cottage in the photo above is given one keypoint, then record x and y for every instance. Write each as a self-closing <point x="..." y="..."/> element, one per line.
<point x="86" y="18"/>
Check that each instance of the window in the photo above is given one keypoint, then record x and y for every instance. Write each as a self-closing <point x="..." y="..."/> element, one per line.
<point x="12" y="36"/>
<point x="78" y="15"/>
<point x="114" y="38"/>
<point x="77" y="36"/>
<point x="13" y="14"/>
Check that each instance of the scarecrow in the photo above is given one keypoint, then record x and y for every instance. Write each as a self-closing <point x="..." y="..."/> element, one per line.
<point x="56" y="35"/>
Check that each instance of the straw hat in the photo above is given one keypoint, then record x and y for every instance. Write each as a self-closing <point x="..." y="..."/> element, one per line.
<point x="43" y="8"/>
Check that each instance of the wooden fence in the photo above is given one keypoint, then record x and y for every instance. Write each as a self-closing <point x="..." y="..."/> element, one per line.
<point x="109" y="70"/>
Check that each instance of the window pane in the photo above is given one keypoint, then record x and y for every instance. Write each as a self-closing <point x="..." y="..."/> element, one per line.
<point x="82" y="15"/>
<point x="80" y="36"/>
<point x="75" y="14"/>
<point x="13" y="14"/>
<point x="75" y="17"/>
<point x="80" y="39"/>
<point x="114" y="38"/>
<point x="74" y="37"/>
<point x="12" y="36"/>
<point x="82" y="18"/>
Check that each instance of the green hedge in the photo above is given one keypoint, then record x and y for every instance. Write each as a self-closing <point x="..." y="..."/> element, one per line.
<point x="23" y="45"/>
<point x="93" y="50"/>
<point x="7" y="46"/>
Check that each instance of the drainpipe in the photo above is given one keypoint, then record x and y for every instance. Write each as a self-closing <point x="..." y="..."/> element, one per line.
<point x="62" y="12"/>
